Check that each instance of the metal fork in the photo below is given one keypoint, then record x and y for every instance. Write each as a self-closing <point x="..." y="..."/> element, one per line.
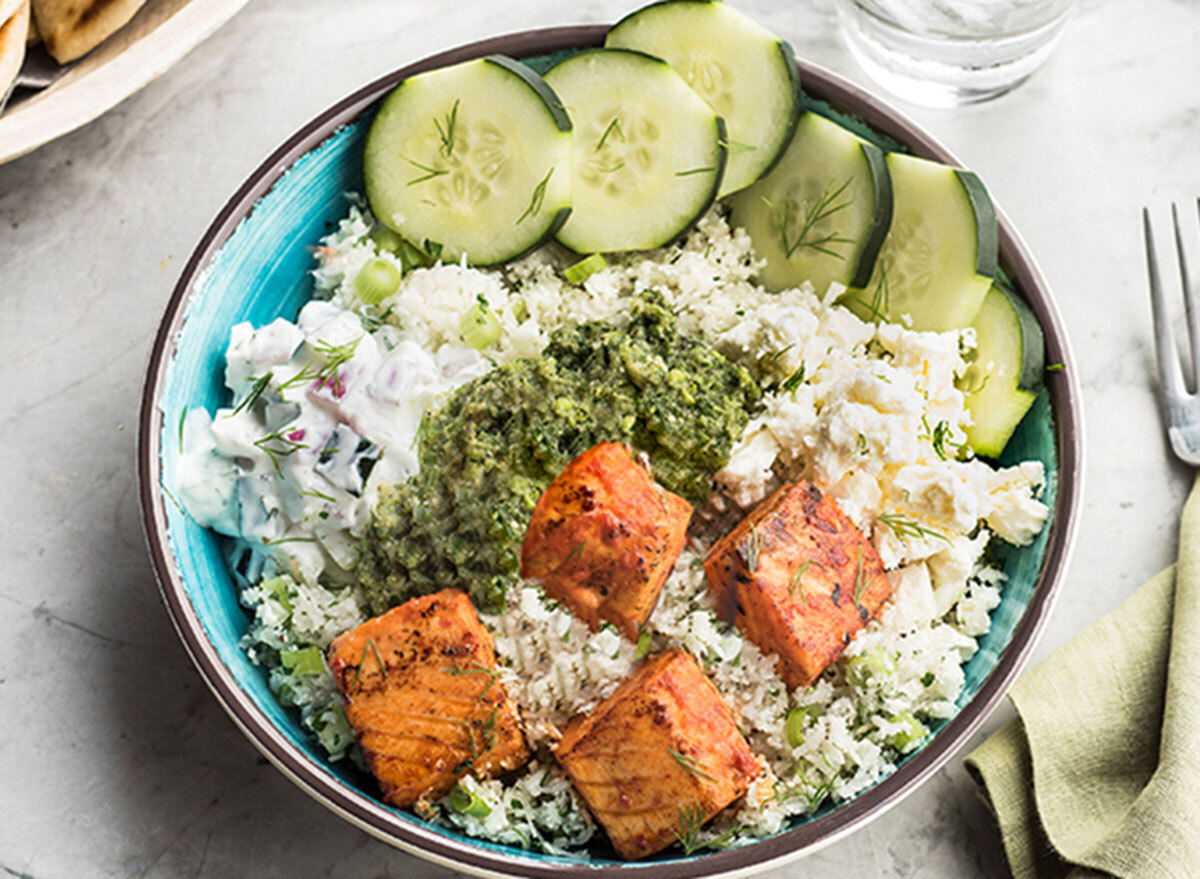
<point x="1181" y="407"/>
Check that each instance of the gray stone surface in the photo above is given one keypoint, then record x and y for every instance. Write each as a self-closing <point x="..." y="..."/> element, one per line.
<point x="114" y="758"/>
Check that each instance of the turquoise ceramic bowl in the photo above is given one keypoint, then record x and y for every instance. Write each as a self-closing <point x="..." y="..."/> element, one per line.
<point x="252" y="265"/>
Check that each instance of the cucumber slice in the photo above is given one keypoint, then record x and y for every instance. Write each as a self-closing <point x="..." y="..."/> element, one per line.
<point x="746" y="73"/>
<point x="647" y="152"/>
<point x="939" y="257"/>
<point x="822" y="213"/>
<point x="475" y="157"/>
<point x="1005" y="373"/>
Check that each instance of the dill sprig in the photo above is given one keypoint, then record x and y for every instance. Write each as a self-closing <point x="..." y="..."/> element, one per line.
<point x="319" y="494"/>
<point x="734" y="147"/>
<point x="475" y="668"/>
<point x="447" y="134"/>
<point x="707" y="169"/>
<point x="283" y="540"/>
<point x="904" y="527"/>
<point x="797" y="584"/>
<point x="614" y="127"/>
<point x="939" y="436"/>
<point x="182" y="419"/>
<point x="812" y="213"/>
<point x="362" y="661"/>
<point x="753" y="549"/>
<point x="335" y="357"/>
<point x="284" y="447"/>
<point x="691" y="821"/>
<point x="860" y="583"/>
<point x="535" y="201"/>
<point x="429" y="174"/>
<point x="693" y="766"/>
<point x="256" y="391"/>
<point x="576" y="551"/>
<point x="881" y="300"/>
<point x="489" y="741"/>
<point x="793" y="381"/>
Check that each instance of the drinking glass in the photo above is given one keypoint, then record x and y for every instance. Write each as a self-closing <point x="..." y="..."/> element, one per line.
<point x="942" y="53"/>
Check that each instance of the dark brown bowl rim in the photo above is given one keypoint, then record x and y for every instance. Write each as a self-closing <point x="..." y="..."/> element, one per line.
<point x="377" y="819"/>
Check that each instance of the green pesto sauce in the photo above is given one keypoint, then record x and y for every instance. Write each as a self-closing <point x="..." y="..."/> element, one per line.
<point x="490" y="451"/>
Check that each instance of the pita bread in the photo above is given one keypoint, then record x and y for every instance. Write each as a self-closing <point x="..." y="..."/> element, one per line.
<point x="72" y="28"/>
<point x="12" y="45"/>
<point x="34" y="37"/>
<point x="8" y="8"/>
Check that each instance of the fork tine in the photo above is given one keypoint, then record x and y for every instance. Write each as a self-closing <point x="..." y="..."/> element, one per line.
<point x="1190" y="293"/>
<point x="1169" y="370"/>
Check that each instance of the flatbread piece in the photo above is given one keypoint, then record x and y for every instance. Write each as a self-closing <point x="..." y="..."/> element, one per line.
<point x="12" y="45"/>
<point x="72" y="28"/>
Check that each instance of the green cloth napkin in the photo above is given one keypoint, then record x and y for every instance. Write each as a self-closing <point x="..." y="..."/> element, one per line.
<point x="1101" y="771"/>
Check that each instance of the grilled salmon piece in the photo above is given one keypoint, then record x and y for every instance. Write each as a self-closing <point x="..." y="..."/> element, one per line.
<point x="798" y="578"/>
<point x="661" y="754"/>
<point x="603" y="538"/>
<point x="421" y="689"/>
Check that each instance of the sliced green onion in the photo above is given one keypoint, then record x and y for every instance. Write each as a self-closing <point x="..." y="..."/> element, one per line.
<point x="277" y="589"/>
<point x="377" y="280"/>
<point x="387" y="239"/>
<point x="467" y="802"/>
<point x="794" y="726"/>
<point x="412" y="257"/>
<point x="479" y="326"/>
<point x="643" y="646"/>
<point x="585" y="268"/>
<point x="303" y="660"/>
<point x="904" y="740"/>
<point x="874" y="665"/>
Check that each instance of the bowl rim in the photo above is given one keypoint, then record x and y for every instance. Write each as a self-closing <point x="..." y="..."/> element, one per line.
<point x="379" y="820"/>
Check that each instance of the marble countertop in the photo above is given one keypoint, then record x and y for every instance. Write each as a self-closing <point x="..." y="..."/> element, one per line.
<point x="114" y="758"/>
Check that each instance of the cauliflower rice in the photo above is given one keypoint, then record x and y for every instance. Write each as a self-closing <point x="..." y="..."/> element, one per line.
<point x="870" y="414"/>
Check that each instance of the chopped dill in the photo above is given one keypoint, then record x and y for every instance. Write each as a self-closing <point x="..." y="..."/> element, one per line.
<point x="707" y="169"/>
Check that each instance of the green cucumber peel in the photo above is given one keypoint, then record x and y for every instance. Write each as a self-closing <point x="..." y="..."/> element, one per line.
<point x="987" y="232"/>
<point x="1033" y="342"/>
<point x="793" y="71"/>
<point x="881" y="182"/>
<point x="656" y="4"/>
<point x="555" y="107"/>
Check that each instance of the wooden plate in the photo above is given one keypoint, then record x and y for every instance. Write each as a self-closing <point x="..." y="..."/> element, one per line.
<point x="160" y="34"/>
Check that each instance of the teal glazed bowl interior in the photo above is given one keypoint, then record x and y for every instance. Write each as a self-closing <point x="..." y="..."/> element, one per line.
<point x="252" y="265"/>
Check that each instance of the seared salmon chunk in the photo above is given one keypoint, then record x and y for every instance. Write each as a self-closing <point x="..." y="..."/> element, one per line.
<point x="658" y="757"/>
<point x="798" y="578"/>
<point x="603" y="538"/>
<point x="422" y="692"/>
